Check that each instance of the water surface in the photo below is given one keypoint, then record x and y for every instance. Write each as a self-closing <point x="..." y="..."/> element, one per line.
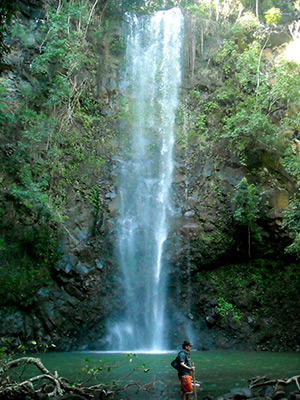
<point x="218" y="371"/>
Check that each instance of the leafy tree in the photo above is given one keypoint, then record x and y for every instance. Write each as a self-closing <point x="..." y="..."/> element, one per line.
<point x="246" y="200"/>
<point x="273" y="16"/>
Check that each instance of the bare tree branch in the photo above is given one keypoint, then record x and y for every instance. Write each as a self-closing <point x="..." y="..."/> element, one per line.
<point x="25" y="360"/>
<point x="263" y="381"/>
<point x="59" y="386"/>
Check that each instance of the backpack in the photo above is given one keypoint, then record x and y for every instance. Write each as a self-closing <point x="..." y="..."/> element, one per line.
<point x="175" y="363"/>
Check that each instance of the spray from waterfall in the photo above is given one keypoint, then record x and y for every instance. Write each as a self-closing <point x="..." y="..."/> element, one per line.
<point x="150" y="87"/>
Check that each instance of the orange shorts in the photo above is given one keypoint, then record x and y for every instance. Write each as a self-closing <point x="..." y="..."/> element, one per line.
<point x="186" y="383"/>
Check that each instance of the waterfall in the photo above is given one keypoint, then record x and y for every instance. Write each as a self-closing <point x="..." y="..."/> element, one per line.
<point x="150" y="87"/>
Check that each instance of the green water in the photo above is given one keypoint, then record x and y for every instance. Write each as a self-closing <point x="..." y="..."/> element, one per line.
<point x="217" y="371"/>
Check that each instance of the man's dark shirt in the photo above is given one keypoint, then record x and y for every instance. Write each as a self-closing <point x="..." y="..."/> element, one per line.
<point x="184" y="356"/>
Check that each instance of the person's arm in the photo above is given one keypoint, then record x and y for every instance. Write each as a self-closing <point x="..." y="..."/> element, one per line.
<point x="186" y="366"/>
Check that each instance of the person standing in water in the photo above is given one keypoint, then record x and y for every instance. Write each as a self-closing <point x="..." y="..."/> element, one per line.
<point x="185" y="370"/>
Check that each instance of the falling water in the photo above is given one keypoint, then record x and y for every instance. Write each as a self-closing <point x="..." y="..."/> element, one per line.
<point x="151" y="92"/>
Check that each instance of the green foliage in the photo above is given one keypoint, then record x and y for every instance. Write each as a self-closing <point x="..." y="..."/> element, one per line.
<point x="93" y="197"/>
<point x="245" y="29"/>
<point x="131" y="356"/>
<point x="16" y="371"/>
<point x="199" y="10"/>
<point x="223" y="10"/>
<point x="245" y="127"/>
<point x="291" y="162"/>
<point x="287" y="8"/>
<point x="258" y="288"/>
<point x="273" y="16"/>
<point x="89" y="372"/>
<point x="246" y="200"/>
<point x="4" y="115"/>
<point x="54" y="144"/>
<point x="247" y="22"/>
<point x="294" y="247"/>
<point x="292" y="223"/>
<point x="117" y="46"/>
<point x="146" y="6"/>
<point x="9" y="352"/>
<point x="255" y="94"/>
<point x="225" y="308"/>
<point x="286" y="77"/>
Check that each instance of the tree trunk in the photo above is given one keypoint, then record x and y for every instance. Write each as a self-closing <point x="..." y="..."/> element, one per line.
<point x="217" y="10"/>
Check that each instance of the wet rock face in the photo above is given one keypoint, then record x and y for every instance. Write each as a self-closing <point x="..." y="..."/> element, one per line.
<point x="207" y="223"/>
<point x="70" y="313"/>
<point x="71" y="308"/>
<point x="31" y="8"/>
<point x="207" y="236"/>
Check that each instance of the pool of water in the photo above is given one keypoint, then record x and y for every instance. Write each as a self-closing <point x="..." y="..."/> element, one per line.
<point x="217" y="371"/>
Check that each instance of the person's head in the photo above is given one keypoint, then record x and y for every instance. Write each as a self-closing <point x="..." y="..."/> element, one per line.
<point x="186" y="345"/>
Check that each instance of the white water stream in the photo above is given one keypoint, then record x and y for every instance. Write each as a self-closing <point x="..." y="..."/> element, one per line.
<point x="150" y="87"/>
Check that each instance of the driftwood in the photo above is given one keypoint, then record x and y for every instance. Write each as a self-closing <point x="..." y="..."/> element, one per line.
<point x="261" y="381"/>
<point x="51" y="385"/>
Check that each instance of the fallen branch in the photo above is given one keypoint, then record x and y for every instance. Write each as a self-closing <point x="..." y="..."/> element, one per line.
<point x="25" y="361"/>
<point x="28" y="383"/>
<point x="263" y="381"/>
<point x="57" y="386"/>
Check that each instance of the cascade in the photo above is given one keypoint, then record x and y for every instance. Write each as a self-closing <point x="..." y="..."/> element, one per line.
<point x="150" y="88"/>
